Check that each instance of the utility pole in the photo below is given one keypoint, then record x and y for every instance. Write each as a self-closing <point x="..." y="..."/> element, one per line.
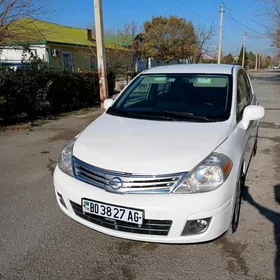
<point x="222" y="10"/>
<point x="256" y="64"/>
<point x="101" y="56"/>
<point x="260" y="60"/>
<point x="244" y="50"/>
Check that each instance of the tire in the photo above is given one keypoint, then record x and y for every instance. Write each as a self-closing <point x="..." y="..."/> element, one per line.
<point x="255" y="149"/>
<point x="237" y="205"/>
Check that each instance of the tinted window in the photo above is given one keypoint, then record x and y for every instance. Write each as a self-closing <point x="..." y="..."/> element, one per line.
<point x="138" y="93"/>
<point x="242" y="95"/>
<point x="196" y="94"/>
<point x="163" y="88"/>
<point x="249" y="89"/>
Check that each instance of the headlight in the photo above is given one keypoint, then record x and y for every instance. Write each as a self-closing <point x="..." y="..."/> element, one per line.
<point x="65" y="159"/>
<point x="208" y="176"/>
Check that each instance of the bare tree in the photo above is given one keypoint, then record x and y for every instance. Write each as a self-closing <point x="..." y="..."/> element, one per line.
<point x="120" y="48"/>
<point x="13" y="10"/>
<point x="205" y="42"/>
<point x="126" y="38"/>
<point x="271" y="9"/>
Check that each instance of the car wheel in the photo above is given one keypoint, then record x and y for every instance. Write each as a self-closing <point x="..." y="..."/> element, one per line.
<point x="237" y="205"/>
<point x="255" y="149"/>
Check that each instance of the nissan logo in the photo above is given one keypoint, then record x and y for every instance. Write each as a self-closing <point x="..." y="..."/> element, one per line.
<point x="116" y="183"/>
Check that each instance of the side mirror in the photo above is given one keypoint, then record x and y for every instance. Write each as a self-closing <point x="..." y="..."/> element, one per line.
<point x="108" y="103"/>
<point x="252" y="113"/>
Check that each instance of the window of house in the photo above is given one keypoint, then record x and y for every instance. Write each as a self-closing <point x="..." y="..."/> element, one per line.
<point x="67" y="61"/>
<point x="93" y="63"/>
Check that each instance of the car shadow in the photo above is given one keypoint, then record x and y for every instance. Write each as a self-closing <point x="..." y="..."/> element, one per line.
<point x="274" y="218"/>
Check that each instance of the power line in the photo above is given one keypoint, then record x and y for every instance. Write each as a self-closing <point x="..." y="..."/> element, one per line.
<point x="192" y="11"/>
<point x="267" y="27"/>
<point x="231" y="24"/>
<point x="226" y="39"/>
<point x="237" y="21"/>
<point x="235" y="27"/>
<point x="212" y="3"/>
<point x="189" y="9"/>
<point x="234" y="24"/>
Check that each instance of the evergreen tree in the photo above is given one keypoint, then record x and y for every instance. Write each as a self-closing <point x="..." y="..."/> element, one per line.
<point x="245" y="59"/>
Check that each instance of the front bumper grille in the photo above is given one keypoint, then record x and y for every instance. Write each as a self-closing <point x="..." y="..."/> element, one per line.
<point x="149" y="227"/>
<point x="130" y="183"/>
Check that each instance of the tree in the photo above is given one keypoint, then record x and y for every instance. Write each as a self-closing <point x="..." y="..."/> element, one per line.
<point x="204" y="41"/>
<point x="13" y="10"/>
<point x="241" y="57"/>
<point x="228" y="59"/>
<point x="271" y="9"/>
<point x="120" y="48"/>
<point x="267" y="61"/>
<point x="251" y="60"/>
<point x="168" y="39"/>
<point x="275" y="60"/>
<point x="126" y="38"/>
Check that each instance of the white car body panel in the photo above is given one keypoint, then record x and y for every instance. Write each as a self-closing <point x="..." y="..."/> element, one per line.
<point x="178" y="208"/>
<point x="113" y="142"/>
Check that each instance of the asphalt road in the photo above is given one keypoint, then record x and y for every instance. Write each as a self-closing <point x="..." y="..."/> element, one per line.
<point x="37" y="241"/>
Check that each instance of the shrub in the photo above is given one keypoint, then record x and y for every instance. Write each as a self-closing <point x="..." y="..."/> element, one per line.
<point x="38" y="90"/>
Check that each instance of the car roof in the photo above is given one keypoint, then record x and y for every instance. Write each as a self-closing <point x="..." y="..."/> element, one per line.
<point x="192" y="68"/>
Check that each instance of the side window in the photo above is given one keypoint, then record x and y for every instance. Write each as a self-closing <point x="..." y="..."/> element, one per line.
<point x="241" y="96"/>
<point x="138" y="94"/>
<point x="249" y="89"/>
<point x="163" y="88"/>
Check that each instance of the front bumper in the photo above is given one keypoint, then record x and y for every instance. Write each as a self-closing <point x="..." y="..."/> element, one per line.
<point x="176" y="208"/>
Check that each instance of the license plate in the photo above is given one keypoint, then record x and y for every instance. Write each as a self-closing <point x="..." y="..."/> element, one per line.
<point x="113" y="212"/>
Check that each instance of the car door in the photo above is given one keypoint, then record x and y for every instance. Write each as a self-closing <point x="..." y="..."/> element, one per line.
<point x="241" y="104"/>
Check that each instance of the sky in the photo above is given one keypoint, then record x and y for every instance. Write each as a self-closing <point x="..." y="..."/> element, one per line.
<point x="241" y="16"/>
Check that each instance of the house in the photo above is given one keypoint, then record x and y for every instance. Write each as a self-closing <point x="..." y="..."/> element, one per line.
<point x="63" y="47"/>
<point x="72" y="49"/>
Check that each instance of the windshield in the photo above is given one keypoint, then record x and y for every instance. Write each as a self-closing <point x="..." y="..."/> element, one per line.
<point x="176" y="97"/>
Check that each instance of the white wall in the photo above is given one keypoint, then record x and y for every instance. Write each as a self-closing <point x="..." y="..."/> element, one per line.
<point x="14" y="54"/>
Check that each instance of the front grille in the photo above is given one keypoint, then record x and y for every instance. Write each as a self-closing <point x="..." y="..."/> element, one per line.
<point x="131" y="183"/>
<point x="149" y="227"/>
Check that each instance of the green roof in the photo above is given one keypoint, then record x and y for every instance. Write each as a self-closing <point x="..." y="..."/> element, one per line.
<point x="120" y="40"/>
<point x="27" y="30"/>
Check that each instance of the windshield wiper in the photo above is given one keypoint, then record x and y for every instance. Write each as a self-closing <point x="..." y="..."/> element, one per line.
<point x="163" y="115"/>
<point x="176" y="115"/>
<point x="119" y="112"/>
<point x="147" y="114"/>
<point x="188" y="115"/>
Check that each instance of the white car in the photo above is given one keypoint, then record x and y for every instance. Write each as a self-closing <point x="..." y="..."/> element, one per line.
<point x="166" y="162"/>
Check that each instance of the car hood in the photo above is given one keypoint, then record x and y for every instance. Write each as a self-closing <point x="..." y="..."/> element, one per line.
<point x="146" y="146"/>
